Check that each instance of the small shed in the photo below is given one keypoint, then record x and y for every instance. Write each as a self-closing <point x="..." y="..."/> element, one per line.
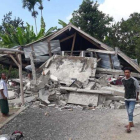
<point x="73" y="41"/>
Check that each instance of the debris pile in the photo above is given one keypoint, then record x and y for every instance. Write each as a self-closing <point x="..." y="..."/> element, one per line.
<point x="70" y="80"/>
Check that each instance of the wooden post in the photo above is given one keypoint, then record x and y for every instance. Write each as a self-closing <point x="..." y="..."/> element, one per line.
<point x="20" y="77"/>
<point x="82" y="53"/>
<point x="91" y="54"/>
<point x="49" y="49"/>
<point x="33" y="67"/>
<point x="116" y="50"/>
<point x="111" y="63"/>
<point x="96" y="55"/>
<point x="9" y="72"/>
<point x="63" y="53"/>
<point x="73" y="43"/>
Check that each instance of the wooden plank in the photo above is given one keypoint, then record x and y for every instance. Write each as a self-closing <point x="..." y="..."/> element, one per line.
<point x="111" y="63"/>
<point x="73" y="43"/>
<point x="101" y="51"/>
<point x="128" y="60"/>
<point x="32" y="47"/>
<point x="115" y="72"/>
<point x="67" y="38"/>
<point x="14" y="60"/>
<point x="57" y="33"/>
<point x="20" y="77"/>
<point x="10" y="50"/>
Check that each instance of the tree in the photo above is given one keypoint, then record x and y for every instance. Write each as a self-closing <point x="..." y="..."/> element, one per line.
<point x="20" y="36"/>
<point x="30" y="5"/>
<point x="7" y="21"/>
<point x="43" y="25"/>
<point x="91" y="20"/>
<point x="41" y="6"/>
<point x="126" y="35"/>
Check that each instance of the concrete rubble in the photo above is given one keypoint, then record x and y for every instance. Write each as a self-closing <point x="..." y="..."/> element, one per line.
<point x="67" y="82"/>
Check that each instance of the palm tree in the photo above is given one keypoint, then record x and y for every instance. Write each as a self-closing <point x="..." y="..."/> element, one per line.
<point x="30" y="5"/>
<point x="41" y="6"/>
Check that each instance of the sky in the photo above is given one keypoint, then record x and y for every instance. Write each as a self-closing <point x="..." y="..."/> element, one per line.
<point x="63" y="9"/>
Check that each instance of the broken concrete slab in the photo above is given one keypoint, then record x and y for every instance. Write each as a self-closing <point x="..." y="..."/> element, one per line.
<point x="117" y="90"/>
<point x="107" y="102"/>
<point x="53" y="78"/>
<point x="119" y="105"/>
<point x="102" y="99"/>
<point x="67" y="67"/>
<point x="90" y="85"/>
<point x="115" y="98"/>
<point x="11" y="94"/>
<point x="103" y="92"/>
<point x="63" y="103"/>
<point x="103" y="81"/>
<point x="83" y="99"/>
<point x="77" y="84"/>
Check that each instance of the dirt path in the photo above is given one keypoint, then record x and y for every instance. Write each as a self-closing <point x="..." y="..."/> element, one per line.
<point x="73" y="125"/>
<point x="12" y="112"/>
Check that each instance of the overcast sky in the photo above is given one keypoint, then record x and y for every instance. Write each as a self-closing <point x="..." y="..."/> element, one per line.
<point x="62" y="9"/>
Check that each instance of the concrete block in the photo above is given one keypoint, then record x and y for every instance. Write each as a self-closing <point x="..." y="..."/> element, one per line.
<point x="101" y="99"/>
<point x="63" y="103"/>
<point x="91" y="85"/>
<point x="53" y="78"/>
<point x="83" y="99"/>
<point x="108" y="102"/>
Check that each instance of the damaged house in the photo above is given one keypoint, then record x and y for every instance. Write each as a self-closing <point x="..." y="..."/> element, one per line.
<point x="78" y="69"/>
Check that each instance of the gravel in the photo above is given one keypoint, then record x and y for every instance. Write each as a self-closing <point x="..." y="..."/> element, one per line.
<point x="50" y="123"/>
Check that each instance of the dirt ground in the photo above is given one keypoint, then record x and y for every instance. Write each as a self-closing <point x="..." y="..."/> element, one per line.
<point x="12" y="111"/>
<point x="73" y="125"/>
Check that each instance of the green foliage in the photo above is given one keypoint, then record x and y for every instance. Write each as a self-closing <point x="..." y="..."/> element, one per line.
<point x="7" y="21"/>
<point x="5" y="69"/>
<point x="62" y="23"/>
<point x="91" y="20"/>
<point x="43" y="23"/>
<point x="126" y="35"/>
<point x="20" y="36"/>
<point x="51" y="30"/>
<point x="30" y="5"/>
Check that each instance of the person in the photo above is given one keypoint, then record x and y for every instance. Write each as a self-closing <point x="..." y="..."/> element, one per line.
<point x="3" y="96"/>
<point x="131" y="87"/>
<point x="29" y="71"/>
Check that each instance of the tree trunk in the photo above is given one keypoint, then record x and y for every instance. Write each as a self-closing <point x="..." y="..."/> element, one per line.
<point x="35" y="21"/>
<point x="41" y="14"/>
<point x="35" y="25"/>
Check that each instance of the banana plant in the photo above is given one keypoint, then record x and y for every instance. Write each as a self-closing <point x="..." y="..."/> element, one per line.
<point x="20" y="36"/>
